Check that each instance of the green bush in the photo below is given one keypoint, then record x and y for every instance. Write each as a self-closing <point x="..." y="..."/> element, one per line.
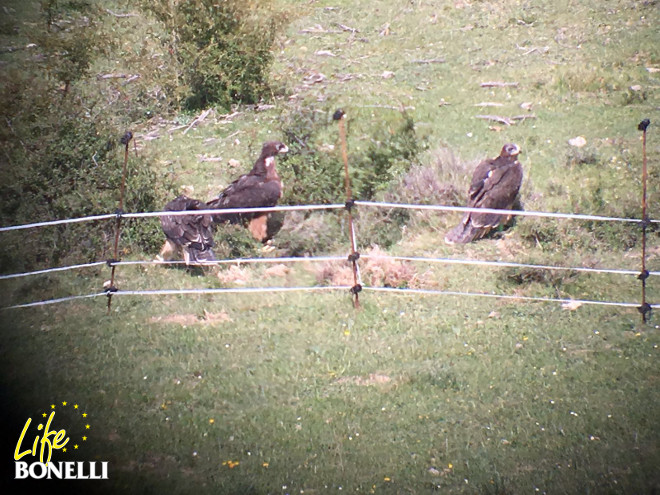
<point x="315" y="174"/>
<point x="224" y="48"/>
<point x="63" y="157"/>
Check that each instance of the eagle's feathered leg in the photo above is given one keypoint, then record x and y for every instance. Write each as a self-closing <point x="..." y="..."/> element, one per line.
<point x="259" y="228"/>
<point x="168" y="252"/>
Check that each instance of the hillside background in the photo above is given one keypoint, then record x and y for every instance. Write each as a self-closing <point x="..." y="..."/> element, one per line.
<point x="299" y="392"/>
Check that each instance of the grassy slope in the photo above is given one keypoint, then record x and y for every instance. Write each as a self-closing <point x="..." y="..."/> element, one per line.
<point x="408" y="394"/>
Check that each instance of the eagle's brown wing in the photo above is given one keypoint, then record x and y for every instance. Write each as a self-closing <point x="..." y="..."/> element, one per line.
<point x="249" y="191"/>
<point x="194" y="233"/>
<point x="495" y="184"/>
<point x="499" y="191"/>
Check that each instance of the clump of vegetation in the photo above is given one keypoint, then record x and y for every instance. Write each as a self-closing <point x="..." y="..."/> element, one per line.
<point x="316" y="168"/>
<point x="313" y="171"/>
<point x="63" y="154"/>
<point x="312" y="234"/>
<point x="223" y="48"/>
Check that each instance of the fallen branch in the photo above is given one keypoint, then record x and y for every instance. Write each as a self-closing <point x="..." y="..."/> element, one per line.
<point x="488" y="104"/>
<point x="343" y="27"/>
<point x="119" y="15"/>
<point x="496" y="118"/>
<point x="524" y="116"/>
<point x="117" y="76"/>
<point x="498" y="84"/>
<point x="430" y="61"/>
<point x="134" y="77"/>
<point x="506" y="120"/>
<point x="199" y="119"/>
<point x="209" y="158"/>
<point x="227" y="118"/>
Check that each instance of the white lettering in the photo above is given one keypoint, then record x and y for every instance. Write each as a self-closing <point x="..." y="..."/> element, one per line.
<point x="55" y="471"/>
<point x="81" y="471"/>
<point x="44" y="470"/>
<point x="21" y="470"/>
<point x="60" y="470"/>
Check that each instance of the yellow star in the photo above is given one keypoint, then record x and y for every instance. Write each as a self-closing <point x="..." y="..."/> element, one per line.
<point x="87" y="427"/>
<point x="64" y="403"/>
<point x="75" y="406"/>
<point x="75" y="446"/>
<point x="84" y="439"/>
<point x="52" y="406"/>
<point x="84" y="415"/>
<point x="64" y="449"/>
<point x="44" y="415"/>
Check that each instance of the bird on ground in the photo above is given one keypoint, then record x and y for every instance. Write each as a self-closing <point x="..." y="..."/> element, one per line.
<point x="495" y="185"/>
<point x="192" y="234"/>
<point x="260" y="188"/>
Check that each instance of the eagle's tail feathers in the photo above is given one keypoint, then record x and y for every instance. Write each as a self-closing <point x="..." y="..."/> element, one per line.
<point x="464" y="233"/>
<point x="196" y="256"/>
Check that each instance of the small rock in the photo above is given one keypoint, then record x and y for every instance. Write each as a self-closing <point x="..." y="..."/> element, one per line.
<point x="578" y="142"/>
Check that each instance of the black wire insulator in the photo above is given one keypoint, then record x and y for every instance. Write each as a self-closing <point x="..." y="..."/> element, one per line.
<point x="356" y="289"/>
<point x="110" y="290"/>
<point x="126" y="138"/>
<point x="349" y="204"/>
<point x="643" y="275"/>
<point x="338" y="114"/>
<point x="643" y="125"/>
<point x="111" y="261"/>
<point x="645" y="309"/>
<point x="353" y="257"/>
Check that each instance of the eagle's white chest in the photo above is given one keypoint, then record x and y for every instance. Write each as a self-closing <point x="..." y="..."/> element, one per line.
<point x="270" y="162"/>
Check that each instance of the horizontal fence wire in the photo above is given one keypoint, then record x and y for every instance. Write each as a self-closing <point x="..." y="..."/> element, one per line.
<point x="116" y="215"/>
<point x="504" y="296"/>
<point x="318" y="259"/>
<point x="542" y="214"/>
<point x="394" y="290"/>
<point x="174" y="213"/>
<point x="174" y="292"/>
<point x="54" y="301"/>
<point x="235" y="261"/>
<point x="52" y="270"/>
<point x="570" y="216"/>
<point x="507" y="264"/>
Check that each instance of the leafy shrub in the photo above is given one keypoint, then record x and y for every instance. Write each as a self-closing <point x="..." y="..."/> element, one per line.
<point x="312" y="234"/>
<point x="224" y="48"/>
<point x="314" y="173"/>
<point x="63" y="156"/>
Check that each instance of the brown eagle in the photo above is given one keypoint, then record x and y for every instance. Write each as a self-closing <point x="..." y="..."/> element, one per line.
<point x="191" y="233"/>
<point x="260" y="188"/>
<point x="495" y="184"/>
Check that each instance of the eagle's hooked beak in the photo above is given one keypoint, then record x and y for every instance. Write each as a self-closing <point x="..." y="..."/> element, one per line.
<point x="283" y="149"/>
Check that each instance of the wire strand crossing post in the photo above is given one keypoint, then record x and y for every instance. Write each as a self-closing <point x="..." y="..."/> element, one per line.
<point x="125" y="140"/>
<point x="645" y="308"/>
<point x="339" y="116"/>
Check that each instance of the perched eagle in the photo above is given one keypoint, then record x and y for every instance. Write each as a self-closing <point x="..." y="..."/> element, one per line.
<point x="192" y="233"/>
<point x="260" y="188"/>
<point x="495" y="184"/>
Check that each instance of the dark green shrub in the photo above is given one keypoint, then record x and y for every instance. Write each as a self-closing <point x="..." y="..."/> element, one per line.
<point x="63" y="158"/>
<point x="224" y="48"/>
<point x="315" y="174"/>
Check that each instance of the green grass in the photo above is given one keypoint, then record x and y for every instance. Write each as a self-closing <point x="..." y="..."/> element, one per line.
<point x="299" y="392"/>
